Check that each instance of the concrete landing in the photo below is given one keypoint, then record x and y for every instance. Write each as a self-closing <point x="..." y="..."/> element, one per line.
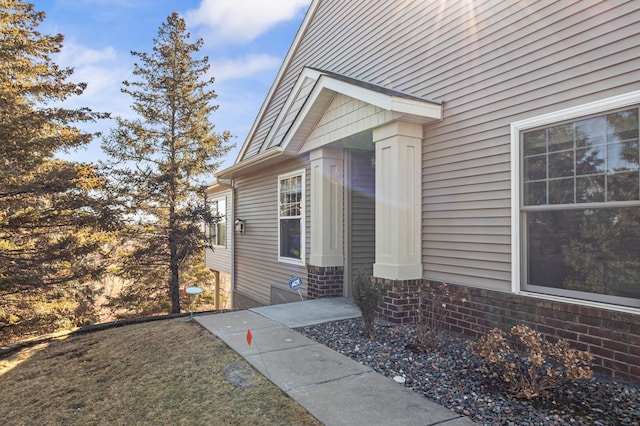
<point x="332" y="387"/>
<point x="309" y="312"/>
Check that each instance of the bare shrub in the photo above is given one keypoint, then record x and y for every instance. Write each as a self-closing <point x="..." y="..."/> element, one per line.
<point x="528" y="364"/>
<point x="433" y="310"/>
<point x="367" y="297"/>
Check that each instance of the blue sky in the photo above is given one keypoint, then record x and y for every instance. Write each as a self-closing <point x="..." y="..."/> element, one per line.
<point x="245" y="40"/>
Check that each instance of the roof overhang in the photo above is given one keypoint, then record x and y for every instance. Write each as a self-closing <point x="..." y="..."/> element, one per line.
<point x="302" y="30"/>
<point x="263" y="159"/>
<point x="391" y="100"/>
<point x="327" y="85"/>
<point x="405" y="107"/>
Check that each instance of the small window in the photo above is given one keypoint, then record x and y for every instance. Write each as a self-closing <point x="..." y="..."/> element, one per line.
<point x="580" y="207"/>
<point x="291" y="226"/>
<point x="218" y="227"/>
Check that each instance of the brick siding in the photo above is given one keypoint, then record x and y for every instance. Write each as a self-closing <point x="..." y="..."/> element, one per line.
<point x="325" y="281"/>
<point x="613" y="337"/>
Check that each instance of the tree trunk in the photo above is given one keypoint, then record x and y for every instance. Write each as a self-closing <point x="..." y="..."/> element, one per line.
<point x="174" y="282"/>
<point x="174" y="285"/>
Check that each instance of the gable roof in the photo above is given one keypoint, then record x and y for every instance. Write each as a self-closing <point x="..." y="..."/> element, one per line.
<point x="328" y="84"/>
<point x="290" y="53"/>
<point x="337" y="37"/>
<point x="312" y="93"/>
<point x="379" y="51"/>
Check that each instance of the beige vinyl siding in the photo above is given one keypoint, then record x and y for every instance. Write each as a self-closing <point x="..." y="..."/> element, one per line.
<point x="514" y="72"/>
<point x="363" y="242"/>
<point x="257" y="266"/>
<point x="220" y="258"/>
<point x="428" y="50"/>
<point x="491" y="63"/>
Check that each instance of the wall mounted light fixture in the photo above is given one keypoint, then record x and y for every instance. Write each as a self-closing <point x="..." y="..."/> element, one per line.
<point x="239" y="224"/>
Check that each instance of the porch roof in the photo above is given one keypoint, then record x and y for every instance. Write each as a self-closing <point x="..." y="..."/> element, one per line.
<point x="306" y="107"/>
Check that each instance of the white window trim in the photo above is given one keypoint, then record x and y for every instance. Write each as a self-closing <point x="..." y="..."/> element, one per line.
<point x="591" y="108"/>
<point x="303" y="227"/>
<point x="224" y="214"/>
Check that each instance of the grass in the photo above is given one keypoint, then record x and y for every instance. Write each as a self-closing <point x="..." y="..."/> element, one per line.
<point x="161" y="372"/>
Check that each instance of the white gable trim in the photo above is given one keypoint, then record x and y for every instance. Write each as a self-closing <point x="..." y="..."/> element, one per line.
<point x="307" y="75"/>
<point x="276" y="82"/>
<point x="405" y="108"/>
<point x="402" y="105"/>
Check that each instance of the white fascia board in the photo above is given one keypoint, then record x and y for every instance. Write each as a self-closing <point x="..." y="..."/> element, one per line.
<point x="425" y="109"/>
<point x="237" y="168"/>
<point x="356" y="92"/>
<point x="276" y="82"/>
<point x="213" y="187"/>
<point x="417" y="108"/>
<point x="219" y="184"/>
<point x="306" y="73"/>
<point x="311" y="104"/>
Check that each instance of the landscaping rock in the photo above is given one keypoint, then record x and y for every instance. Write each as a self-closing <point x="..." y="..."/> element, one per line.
<point x="450" y="375"/>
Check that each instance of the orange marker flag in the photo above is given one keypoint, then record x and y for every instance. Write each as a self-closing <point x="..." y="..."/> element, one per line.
<point x="184" y="291"/>
<point x="249" y="337"/>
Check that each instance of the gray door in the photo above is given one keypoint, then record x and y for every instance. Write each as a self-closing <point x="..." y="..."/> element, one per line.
<point x="360" y="217"/>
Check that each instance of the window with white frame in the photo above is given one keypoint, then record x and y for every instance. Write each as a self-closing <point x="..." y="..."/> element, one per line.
<point x="218" y="226"/>
<point x="579" y="206"/>
<point x="291" y="226"/>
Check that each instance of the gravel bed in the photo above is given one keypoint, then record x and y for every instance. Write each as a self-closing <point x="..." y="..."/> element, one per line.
<point x="450" y="376"/>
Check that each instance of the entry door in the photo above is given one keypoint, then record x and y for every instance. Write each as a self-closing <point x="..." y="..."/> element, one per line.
<point x="360" y="216"/>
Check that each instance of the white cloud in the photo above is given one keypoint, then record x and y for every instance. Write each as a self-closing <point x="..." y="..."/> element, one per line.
<point x="243" y="21"/>
<point x="103" y="70"/>
<point x="244" y="67"/>
<point x="77" y="55"/>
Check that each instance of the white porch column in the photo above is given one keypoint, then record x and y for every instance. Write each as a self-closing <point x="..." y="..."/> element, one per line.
<point x="398" y="201"/>
<point x="327" y="175"/>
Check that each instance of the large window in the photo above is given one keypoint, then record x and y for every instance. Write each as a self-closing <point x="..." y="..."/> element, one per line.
<point x="218" y="227"/>
<point x="580" y="207"/>
<point x="291" y="217"/>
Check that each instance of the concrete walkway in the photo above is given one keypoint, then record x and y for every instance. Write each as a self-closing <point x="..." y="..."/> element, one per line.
<point x="332" y="387"/>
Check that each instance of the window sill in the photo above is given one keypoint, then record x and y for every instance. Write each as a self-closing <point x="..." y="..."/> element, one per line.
<point x="580" y="302"/>
<point x="291" y="261"/>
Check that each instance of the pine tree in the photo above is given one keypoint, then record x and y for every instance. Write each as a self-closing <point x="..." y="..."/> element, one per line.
<point x="53" y="219"/>
<point x="160" y="160"/>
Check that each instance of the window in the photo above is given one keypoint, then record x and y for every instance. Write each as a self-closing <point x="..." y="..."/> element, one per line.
<point x="291" y="225"/>
<point x="579" y="208"/>
<point x="218" y="228"/>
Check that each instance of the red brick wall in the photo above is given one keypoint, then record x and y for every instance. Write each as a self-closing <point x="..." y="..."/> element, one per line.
<point x="612" y="337"/>
<point x="325" y="281"/>
<point x="398" y="301"/>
